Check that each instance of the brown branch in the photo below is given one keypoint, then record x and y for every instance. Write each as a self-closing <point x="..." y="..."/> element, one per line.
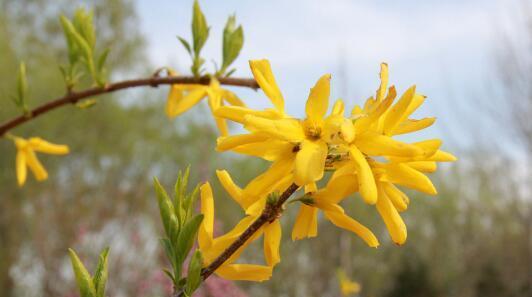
<point x="270" y="213"/>
<point x="73" y="97"/>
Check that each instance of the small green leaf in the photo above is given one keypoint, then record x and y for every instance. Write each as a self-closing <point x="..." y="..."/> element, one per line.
<point x="185" y="44"/>
<point x="200" y="30"/>
<point x="68" y="28"/>
<point x="187" y="237"/>
<point x="194" y="273"/>
<point x="170" y="275"/>
<point x="233" y="40"/>
<point x="102" y="59"/>
<point x="22" y="88"/>
<point x="189" y="202"/>
<point x="166" y="208"/>
<point x="87" y="103"/>
<point x="83" y="22"/>
<point x="83" y="278"/>
<point x="230" y="72"/>
<point x="100" y="275"/>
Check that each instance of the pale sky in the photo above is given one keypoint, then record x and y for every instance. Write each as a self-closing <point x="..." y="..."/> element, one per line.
<point x="444" y="47"/>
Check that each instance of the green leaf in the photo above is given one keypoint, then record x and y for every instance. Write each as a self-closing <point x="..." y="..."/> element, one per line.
<point x="22" y="88"/>
<point x="233" y="40"/>
<point x="83" y="278"/>
<point x="200" y="30"/>
<point x="100" y="275"/>
<point x="83" y="22"/>
<point x="194" y="273"/>
<point x="189" y="202"/>
<point x="187" y="237"/>
<point x="166" y="208"/>
<point x="68" y="28"/>
<point x="185" y="44"/>
<point x="102" y="59"/>
<point x="170" y="275"/>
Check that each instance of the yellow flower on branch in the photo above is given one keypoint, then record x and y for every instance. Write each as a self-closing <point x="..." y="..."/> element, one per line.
<point x="182" y="97"/>
<point x="26" y="157"/>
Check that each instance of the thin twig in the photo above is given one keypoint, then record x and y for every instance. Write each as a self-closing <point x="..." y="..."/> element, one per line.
<point x="74" y="97"/>
<point x="270" y="213"/>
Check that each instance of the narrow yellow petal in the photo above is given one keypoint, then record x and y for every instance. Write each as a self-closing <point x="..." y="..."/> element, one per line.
<point x="178" y="103"/>
<point x="232" y="99"/>
<point x="403" y="175"/>
<point x="394" y="223"/>
<point x="205" y="232"/>
<point x="423" y="166"/>
<point x="381" y="92"/>
<point x="230" y="142"/>
<point x="366" y="181"/>
<point x="441" y="156"/>
<point x="22" y="171"/>
<point x="338" y="188"/>
<point x="306" y="224"/>
<point x="396" y="196"/>
<point x="39" y="145"/>
<point x="35" y="166"/>
<point x="262" y="72"/>
<point x="411" y="125"/>
<point x="338" y="108"/>
<point x="272" y="241"/>
<point x="397" y="112"/>
<point x="343" y="221"/>
<point x="230" y="187"/>
<point x="374" y="144"/>
<point x="310" y="162"/>
<point x="245" y="272"/>
<point x="270" y="150"/>
<point x="222" y="126"/>
<point x="284" y="129"/>
<point x="318" y="99"/>
<point x="238" y="113"/>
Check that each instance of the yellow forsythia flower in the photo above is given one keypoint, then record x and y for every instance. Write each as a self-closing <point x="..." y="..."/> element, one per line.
<point x="347" y="287"/>
<point x="26" y="157"/>
<point x="360" y="149"/>
<point x="182" y="97"/>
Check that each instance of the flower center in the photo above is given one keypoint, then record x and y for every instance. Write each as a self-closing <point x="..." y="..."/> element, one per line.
<point x="312" y="130"/>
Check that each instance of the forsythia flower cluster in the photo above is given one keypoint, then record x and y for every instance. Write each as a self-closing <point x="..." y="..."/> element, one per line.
<point x="358" y="148"/>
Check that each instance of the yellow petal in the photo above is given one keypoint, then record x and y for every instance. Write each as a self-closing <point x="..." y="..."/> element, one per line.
<point x="311" y="188"/>
<point x="310" y="162"/>
<point x="270" y="149"/>
<point x="245" y="272"/>
<point x="306" y="224"/>
<point x="262" y="72"/>
<point x="338" y="108"/>
<point x="318" y="99"/>
<point x="411" y="125"/>
<point x="40" y="145"/>
<point x="374" y="144"/>
<point x="441" y="156"/>
<point x="423" y="166"/>
<point x="22" y="171"/>
<point x="178" y="102"/>
<point x="230" y="142"/>
<point x="394" y="223"/>
<point x="408" y="177"/>
<point x="272" y="241"/>
<point x="205" y="232"/>
<point x="230" y="187"/>
<point x="343" y="221"/>
<point x="396" y="196"/>
<point x="338" y="188"/>
<point x="232" y="99"/>
<point x="381" y="92"/>
<point x="397" y="113"/>
<point x="238" y="113"/>
<point x="366" y="181"/>
<point x="35" y="166"/>
<point x="222" y="126"/>
<point x="284" y="129"/>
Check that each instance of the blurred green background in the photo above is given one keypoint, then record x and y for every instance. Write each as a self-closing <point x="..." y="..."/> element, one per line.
<point x="473" y="239"/>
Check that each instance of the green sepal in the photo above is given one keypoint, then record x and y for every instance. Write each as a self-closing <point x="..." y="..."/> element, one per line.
<point x="185" y="44"/>
<point x="83" y="278"/>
